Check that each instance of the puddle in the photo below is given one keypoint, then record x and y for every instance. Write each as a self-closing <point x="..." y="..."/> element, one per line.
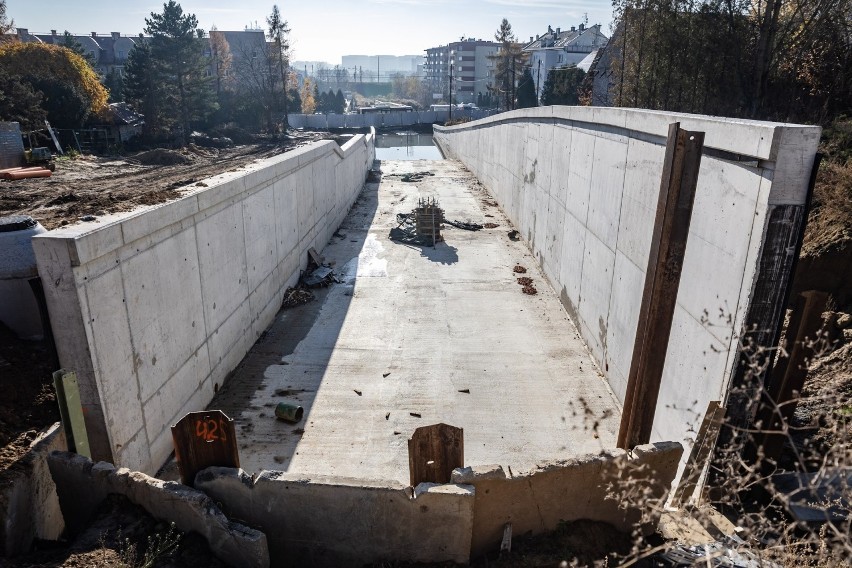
<point x="406" y="146"/>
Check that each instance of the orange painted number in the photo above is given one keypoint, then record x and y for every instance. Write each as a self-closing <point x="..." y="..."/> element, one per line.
<point x="207" y="430"/>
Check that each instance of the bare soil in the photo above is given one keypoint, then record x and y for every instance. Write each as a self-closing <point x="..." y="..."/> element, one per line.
<point x="122" y="535"/>
<point x="28" y="401"/>
<point x="97" y="185"/>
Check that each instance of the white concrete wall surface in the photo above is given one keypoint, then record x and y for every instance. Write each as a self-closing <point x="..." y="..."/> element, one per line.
<point x="154" y="308"/>
<point x="581" y="185"/>
<point x="599" y="487"/>
<point x="335" y="521"/>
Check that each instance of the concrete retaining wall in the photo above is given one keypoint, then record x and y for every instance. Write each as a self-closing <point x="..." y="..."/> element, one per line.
<point x="614" y="487"/>
<point x="82" y="486"/>
<point x="581" y="185"/>
<point x="332" y="521"/>
<point x="29" y="507"/>
<point x="154" y="308"/>
<point x="381" y="120"/>
<point x="328" y="521"/>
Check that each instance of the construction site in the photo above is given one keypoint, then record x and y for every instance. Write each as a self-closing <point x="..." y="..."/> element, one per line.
<point x="304" y="356"/>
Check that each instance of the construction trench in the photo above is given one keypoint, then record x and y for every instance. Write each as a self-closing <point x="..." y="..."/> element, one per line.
<point x="522" y="333"/>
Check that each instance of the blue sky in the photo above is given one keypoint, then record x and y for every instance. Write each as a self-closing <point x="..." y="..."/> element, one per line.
<point x="325" y="30"/>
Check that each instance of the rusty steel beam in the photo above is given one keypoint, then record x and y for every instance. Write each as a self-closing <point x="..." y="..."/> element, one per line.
<point x="662" y="279"/>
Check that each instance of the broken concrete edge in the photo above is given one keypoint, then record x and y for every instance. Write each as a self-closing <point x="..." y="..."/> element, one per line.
<point x="308" y="518"/>
<point x="322" y="520"/>
<point x="83" y="485"/>
<point x="29" y="506"/>
<point x="625" y="489"/>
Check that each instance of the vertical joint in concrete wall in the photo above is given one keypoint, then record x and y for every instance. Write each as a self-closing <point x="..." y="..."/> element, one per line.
<point x="662" y="279"/>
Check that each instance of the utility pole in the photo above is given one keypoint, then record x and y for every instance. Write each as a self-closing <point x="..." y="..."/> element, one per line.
<point x="537" y="81"/>
<point x="513" y="83"/>
<point x="451" y="86"/>
<point x="378" y="67"/>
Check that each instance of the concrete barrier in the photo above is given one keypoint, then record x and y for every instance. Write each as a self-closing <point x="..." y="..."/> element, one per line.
<point x="154" y="308"/>
<point x="614" y="487"/>
<point x="581" y="185"/>
<point x="332" y="521"/>
<point x="83" y="486"/>
<point x="29" y="506"/>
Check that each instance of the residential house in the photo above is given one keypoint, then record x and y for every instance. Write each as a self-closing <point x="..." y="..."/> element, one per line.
<point x="558" y="48"/>
<point x="107" y="52"/>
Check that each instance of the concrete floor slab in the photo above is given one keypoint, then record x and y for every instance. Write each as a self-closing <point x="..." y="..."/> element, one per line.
<point x="408" y="329"/>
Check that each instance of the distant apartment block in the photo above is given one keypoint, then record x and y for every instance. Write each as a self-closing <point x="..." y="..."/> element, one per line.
<point x="472" y="66"/>
<point x="557" y="48"/>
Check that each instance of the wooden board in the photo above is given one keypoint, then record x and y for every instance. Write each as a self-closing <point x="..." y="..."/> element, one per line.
<point x="71" y="412"/>
<point x="434" y="452"/>
<point x="204" y="439"/>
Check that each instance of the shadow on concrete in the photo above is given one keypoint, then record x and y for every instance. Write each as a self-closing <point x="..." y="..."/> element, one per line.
<point x="265" y="374"/>
<point x="441" y="253"/>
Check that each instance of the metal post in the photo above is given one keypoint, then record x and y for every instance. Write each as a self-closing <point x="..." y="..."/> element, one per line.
<point x="537" y="83"/>
<point x="662" y="280"/>
<point x="451" y="85"/>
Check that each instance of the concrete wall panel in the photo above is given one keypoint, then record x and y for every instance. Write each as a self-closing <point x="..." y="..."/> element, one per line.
<point x="154" y="308"/>
<point x="601" y="198"/>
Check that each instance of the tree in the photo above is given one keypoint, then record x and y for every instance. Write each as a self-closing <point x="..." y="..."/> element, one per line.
<point x="786" y="60"/>
<point x="114" y="83"/>
<point x="6" y="25"/>
<point x="279" y="33"/>
<point x="220" y="55"/>
<point x="509" y="60"/>
<point x="309" y="101"/>
<point x="19" y="102"/>
<point x="562" y="86"/>
<point x="180" y="65"/>
<point x="70" y="42"/>
<point x="70" y="89"/>
<point x="144" y="91"/>
<point x="339" y="102"/>
<point x="526" y="91"/>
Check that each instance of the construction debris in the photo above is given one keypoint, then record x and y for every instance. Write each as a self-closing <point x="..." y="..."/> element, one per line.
<point x="468" y="226"/>
<point x="514" y="235"/>
<point x="14" y="174"/>
<point x="319" y="277"/>
<point x="519" y="269"/>
<point x="296" y="297"/>
<point x="490" y="225"/>
<point x="420" y="227"/>
<point x="415" y="176"/>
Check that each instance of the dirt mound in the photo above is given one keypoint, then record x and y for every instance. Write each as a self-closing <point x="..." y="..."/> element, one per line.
<point x="162" y="157"/>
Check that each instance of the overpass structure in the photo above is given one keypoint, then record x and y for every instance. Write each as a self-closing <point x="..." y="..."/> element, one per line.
<point x="177" y="307"/>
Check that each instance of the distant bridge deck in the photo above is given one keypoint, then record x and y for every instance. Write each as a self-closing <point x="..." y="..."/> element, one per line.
<point x="408" y="330"/>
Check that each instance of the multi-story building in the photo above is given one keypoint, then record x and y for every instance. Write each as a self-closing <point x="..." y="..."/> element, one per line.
<point x="558" y="48"/>
<point x="472" y="66"/>
<point x="107" y="52"/>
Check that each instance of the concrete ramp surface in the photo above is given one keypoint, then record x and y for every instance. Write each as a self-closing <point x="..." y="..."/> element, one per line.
<point x="417" y="335"/>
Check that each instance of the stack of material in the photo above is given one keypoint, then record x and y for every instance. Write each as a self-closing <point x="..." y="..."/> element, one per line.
<point x="428" y="218"/>
<point x="24" y="173"/>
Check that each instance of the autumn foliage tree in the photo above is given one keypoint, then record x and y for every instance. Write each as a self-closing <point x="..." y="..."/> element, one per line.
<point x="70" y="90"/>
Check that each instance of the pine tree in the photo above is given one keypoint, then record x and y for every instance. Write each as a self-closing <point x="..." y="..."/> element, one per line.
<point x="144" y="91"/>
<point x="562" y="86"/>
<point x="526" y="91"/>
<point x="279" y="33"/>
<point x="6" y="25"/>
<point x="318" y="102"/>
<point x="70" y="42"/>
<point x="339" y="102"/>
<point x="180" y="65"/>
<point x="509" y="61"/>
